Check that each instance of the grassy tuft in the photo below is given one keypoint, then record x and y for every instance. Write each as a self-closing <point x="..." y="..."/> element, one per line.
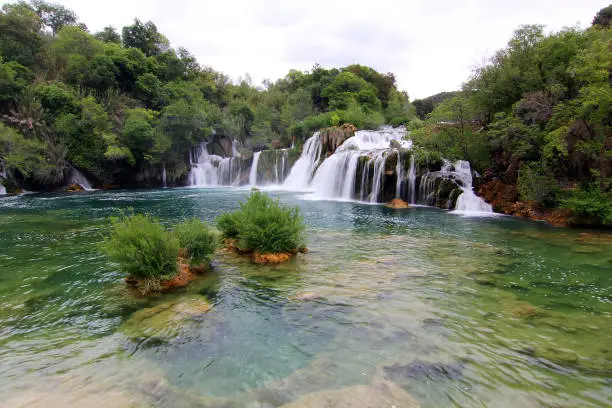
<point x="264" y="225"/>
<point x="143" y="248"/>
<point x="198" y="239"/>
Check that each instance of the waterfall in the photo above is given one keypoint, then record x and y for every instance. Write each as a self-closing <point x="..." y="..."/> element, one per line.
<point x="76" y="177"/>
<point x="400" y="175"/>
<point x="336" y="176"/>
<point x="204" y="169"/>
<point x="2" y="175"/>
<point x="253" y="173"/>
<point x="379" y="167"/>
<point x="164" y="184"/>
<point x="301" y="173"/>
<point x="412" y="180"/>
<point x="468" y="202"/>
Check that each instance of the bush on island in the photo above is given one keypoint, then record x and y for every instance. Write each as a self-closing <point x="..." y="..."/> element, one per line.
<point x="143" y="248"/>
<point x="155" y="258"/>
<point x="198" y="241"/>
<point x="264" y="226"/>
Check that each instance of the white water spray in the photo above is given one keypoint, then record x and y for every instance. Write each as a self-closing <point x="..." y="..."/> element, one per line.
<point x="204" y="169"/>
<point x="253" y="173"/>
<point x="164" y="184"/>
<point x="76" y="177"/>
<point x="412" y="180"/>
<point x="400" y="175"/>
<point x="468" y="202"/>
<point x="301" y="173"/>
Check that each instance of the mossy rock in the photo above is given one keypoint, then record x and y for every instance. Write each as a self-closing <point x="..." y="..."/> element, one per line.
<point x="527" y="311"/>
<point x="164" y="321"/>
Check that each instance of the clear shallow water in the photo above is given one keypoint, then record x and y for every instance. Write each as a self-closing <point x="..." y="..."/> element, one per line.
<point x="458" y="311"/>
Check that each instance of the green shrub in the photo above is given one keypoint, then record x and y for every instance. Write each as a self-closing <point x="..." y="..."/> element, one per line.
<point x="590" y="206"/>
<point x="198" y="239"/>
<point x="264" y="225"/>
<point x="143" y="248"/>
<point x="537" y="183"/>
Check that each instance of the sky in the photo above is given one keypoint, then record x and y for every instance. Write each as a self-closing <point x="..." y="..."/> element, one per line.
<point x="430" y="45"/>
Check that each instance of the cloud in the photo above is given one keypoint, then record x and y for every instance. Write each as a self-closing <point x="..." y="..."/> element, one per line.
<point x="429" y="45"/>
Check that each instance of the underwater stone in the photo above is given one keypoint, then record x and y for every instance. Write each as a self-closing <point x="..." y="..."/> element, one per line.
<point x="164" y="321"/>
<point x="422" y="369"/>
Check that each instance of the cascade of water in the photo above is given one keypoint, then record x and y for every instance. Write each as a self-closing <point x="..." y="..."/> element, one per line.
<point x="235" y="152"/>
<point x="283" y="160"/>
<point x="276" y="168"/>
<point x="365" y="173"/>
<point x="335" y="178"/>
<point x="400" y="175"/>
<point x="379" y="166"/>
<point x="412" y="180"/>
<point x="468" y="202"/>
<point x="76" y="177"/>
<point x="204" y="169"/>
<point x="2" y="175"/>
<point x="301" y="173"/>
<point x="164" y="176"/>
<point x="253" y="173"/>
<point x="225" y="171"/>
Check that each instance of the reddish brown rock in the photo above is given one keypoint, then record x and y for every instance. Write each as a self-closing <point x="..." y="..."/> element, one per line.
<point x="397" y="204"/>
<point x="73" y="187"/>
<point x="271" y="259"/>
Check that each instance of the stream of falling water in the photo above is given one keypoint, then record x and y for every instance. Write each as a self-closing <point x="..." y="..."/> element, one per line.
<point x="354" y="171"/>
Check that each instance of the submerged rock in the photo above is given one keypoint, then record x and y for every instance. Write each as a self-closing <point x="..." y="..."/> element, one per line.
<point x="307" y="295"/>
<point x="164" y="321"/>
<point x="397" y="204"/>
<point x="526" y="310"/>
<point x="381" y="395"/>
<point x="420" y="369"/>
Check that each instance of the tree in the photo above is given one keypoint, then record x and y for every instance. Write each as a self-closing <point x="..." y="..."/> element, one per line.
<point x="19" y="34"/>
<point x="603" y="17"/>
<point x="145" y="37"/>
<point x="55" y="16"/>
<point x="109" y="35"/>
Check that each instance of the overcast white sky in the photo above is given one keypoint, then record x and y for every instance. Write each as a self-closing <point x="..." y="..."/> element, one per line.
<point x="430" y="45"/>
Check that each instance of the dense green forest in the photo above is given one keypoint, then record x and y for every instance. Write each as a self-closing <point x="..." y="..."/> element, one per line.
<point x="535" y="120"/>
<point x="114" y="104"/>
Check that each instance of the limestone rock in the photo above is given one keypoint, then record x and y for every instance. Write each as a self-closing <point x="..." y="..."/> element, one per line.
<point x="395" y="144"/>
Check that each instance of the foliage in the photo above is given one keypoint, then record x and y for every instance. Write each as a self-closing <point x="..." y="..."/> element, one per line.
<point x="142" y="247"/>
<point x="198" y="239"/>
<point x="537" y="183"/>
<point x="264" y="225"/>
<point x="590" y="205"/>
<point x="538" y="114"/>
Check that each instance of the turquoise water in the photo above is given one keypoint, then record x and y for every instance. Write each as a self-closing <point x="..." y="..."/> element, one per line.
<point x="465" y="312"/>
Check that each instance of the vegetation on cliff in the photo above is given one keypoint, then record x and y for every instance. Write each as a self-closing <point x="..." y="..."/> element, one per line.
<point x="537" y="121"/>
